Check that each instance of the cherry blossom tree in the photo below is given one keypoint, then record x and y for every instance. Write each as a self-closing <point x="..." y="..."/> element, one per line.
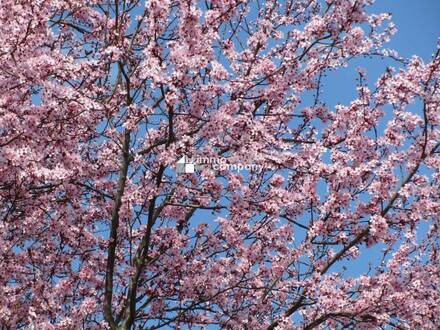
<point x="100" y="99"/>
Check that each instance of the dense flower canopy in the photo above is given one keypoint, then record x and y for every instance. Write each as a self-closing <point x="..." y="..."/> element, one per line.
<point x="100" y="99"/>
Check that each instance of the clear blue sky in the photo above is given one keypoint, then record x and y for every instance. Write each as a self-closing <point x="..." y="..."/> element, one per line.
<point x="418" y="29"/>
<point x="418" y="24"/>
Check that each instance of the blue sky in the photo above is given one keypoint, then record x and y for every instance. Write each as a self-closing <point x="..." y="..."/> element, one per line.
<point x="418" y="29"/>
<point x="418" y="25"/>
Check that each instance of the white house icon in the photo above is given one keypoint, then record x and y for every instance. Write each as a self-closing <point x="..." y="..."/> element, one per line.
<point x="184" y="165"/>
